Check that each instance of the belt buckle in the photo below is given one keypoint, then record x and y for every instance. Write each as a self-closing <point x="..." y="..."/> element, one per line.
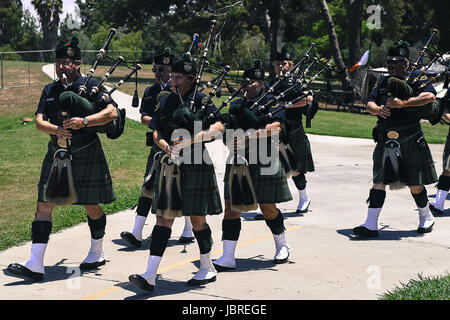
<point x="393" y="134"/>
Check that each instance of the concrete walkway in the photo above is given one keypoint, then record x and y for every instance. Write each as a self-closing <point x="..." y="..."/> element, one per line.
<point x="325" y="262"/>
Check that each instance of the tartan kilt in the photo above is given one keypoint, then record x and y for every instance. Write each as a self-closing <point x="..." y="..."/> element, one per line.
<point x="268" y="188"/>
<point x="417" y="159"/>
<point x="445" y="156"/>
<point x="154" y="149"/>
<point x="199" y="191"/>
<point x="91" y="176"/>
<point x="300" y="146"/>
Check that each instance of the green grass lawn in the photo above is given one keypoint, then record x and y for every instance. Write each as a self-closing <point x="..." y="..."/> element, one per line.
<point x="424" y="288"/>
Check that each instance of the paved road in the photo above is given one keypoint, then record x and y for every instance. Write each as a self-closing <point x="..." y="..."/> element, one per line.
<point x="325" y="262"/>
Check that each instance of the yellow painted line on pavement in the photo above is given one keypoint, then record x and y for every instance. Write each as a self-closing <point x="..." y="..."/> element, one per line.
<point x="182" y="263"/>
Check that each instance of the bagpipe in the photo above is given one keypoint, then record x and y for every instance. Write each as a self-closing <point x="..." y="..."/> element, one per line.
<point x="203" y="63"/>
<point x="188" y="113"/>
<point x="300" y="83"/>
<point x="293" y="71"/>
<point x="287" y="156"/>
<point x="84" y="102"/>
<point x="420" y="76"/>
<point x="60" y="189"/>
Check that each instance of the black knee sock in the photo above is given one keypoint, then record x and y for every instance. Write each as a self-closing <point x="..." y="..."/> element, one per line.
<point x="421" y="199"/>
<point x="204" y="239"/>
<point x="160" y="238"/>
<point x="444" y="183"/>
<point x="40" y="231"/>
<point x="300" y="181"/>
<point x="376" y="198"/>
<point x="276" y="225"/>
<point x="231" y="229"/>
<point x="97" y="227"/>
<point x="144" y="206"/>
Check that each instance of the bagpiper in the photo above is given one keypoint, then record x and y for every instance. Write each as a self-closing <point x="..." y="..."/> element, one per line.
<point x="162" y="69"/>
<point x="74" y="170"/>
<point x="249" y="183"/>
<point x="401" y="156"/>
<point x="187" y="187"/>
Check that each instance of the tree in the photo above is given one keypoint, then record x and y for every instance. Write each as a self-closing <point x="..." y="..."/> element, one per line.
<point x="334" y="43"/>
<point x="10" y="21"/>
<point x="48" y="11"/>
<point x="354" y="14"/>
<point x="30" y="37"/>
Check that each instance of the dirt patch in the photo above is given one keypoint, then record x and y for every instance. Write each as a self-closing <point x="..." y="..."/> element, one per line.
<point x="19" y="100"/>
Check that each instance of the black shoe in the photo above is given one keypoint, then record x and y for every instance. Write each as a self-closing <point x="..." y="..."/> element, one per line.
<point x="220" y="268"/>
<point x="425" y="230"/>
<point x="304" y="210"/>
<point x="141" y="282"/>
<point x="281" y="261"/>
<point x="435" y="211"/>
<point x="195" y="282"/>
<point x="131" y="239"/>
<point x="22" y="271"/>
<point x="363" y="232"/>
<point x="184" y="240"/>
<point x="258" y="217"/>
<point x="92" y="265"/>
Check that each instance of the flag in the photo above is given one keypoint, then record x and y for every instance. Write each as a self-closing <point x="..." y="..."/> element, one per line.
<point x="199" y="44"/>
<point x="362" y="61"/>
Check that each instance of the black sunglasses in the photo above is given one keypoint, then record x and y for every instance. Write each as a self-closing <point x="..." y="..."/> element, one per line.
<point x="160" y="69"/>
<point x="393" y="60"/>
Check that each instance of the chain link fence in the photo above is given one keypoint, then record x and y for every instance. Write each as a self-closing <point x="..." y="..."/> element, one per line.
<point x="24" y="68"/>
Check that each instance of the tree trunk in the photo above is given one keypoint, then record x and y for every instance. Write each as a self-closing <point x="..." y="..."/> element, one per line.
<point x="354" y="13"/>
<point x="48" y="12"/>
<point x="334" y="43"/>
<point x="49" y="24"/>
<point x="272" y="16"/>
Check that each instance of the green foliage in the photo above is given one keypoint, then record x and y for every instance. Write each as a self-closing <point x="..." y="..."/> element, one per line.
<point x="30" y="37"/>
<point x="127" y="42"/>
<point x="158" y="35"/>
<point x="10" y="22"/>
<point x="250" y="47"/>
<point x="9" y="56"/>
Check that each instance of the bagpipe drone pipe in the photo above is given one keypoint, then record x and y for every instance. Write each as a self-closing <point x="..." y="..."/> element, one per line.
<point x="193" y="110"/>
<point x="91" y="97"/>
<point x="287" y="156"/>
<point x="419" y="76"/>
<point x="293" y="71"/>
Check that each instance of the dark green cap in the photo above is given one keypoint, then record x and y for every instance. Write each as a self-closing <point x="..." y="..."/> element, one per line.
<point x="256" y="72"/>
<point x="283" y="55"/>
<point x="185" y="65"/>
<point x="401" y="50"/>
<point x="69" y="50"/>
<point x="166" y="58"/>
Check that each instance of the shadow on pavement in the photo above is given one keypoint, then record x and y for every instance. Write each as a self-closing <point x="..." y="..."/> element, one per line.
<point x="52" y="273"/>
<point x="383" y="235"/>
<point x="250" y="216"/>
